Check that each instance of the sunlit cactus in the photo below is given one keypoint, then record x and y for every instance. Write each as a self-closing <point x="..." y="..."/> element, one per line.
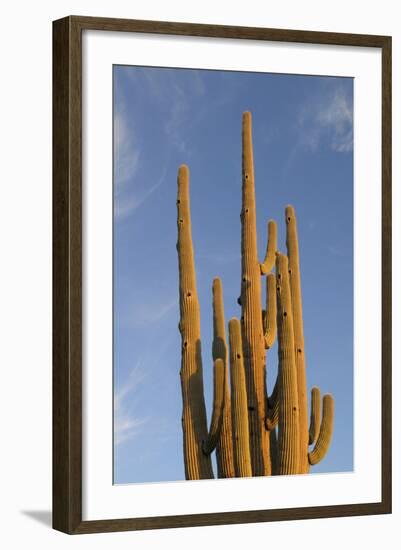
<point x="288" y="418"/>
<point x="241" y="441"/>
<point x="253" y="434"/>
<point x="224" y="448"/>
<point x="198" y="465"/>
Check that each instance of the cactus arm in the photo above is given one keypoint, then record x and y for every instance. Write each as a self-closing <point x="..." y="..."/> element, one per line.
<point x="224" y="449"/>
<point x="315" y="416"/>
<point x="270" y="257"/>
<point x="219" y="377"/>
<point x="194" y="423"/>
<point x="271" y="420"/>
<point x="296" y="301"/>
<point x="251" y="318"/>
<point x="219" y="346"/>
<point x="270" y="328"/>
<point x="288" y="426"/>
<point x="239" y="407"/>
<point x="326" y="432"/>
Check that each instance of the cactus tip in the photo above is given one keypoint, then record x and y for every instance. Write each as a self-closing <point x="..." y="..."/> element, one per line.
<point x="233" y="323"/>
<point x="289" y="210"/>
<point x="183" y="169"/>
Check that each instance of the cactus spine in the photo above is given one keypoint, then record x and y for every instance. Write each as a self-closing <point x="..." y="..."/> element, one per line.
<point x="253" y="434"/>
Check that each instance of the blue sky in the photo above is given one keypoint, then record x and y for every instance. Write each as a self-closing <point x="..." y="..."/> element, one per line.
<point x="303" y="153"/>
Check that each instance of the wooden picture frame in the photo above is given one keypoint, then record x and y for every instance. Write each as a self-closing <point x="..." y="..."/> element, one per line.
<point x="67" y="273"/>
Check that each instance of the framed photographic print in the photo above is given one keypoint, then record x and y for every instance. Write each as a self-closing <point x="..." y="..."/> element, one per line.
<point x="222" y="275"/>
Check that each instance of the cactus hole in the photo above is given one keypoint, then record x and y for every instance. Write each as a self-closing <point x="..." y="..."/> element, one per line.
<point x="285" y="314"/>
<point x="238" y="356"/>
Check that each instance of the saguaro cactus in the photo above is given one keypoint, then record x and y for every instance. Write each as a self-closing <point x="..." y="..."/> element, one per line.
<point x="253" y="434"/>
<point x="288" y="420"/>
<point x="251" y="319"/>
<point x="314" y="432"/>
<point x="198" y="464"/>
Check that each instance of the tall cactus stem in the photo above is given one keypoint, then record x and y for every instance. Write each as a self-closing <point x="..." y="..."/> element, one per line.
<point x="194" y="422"/>
<point x="271" y="248"/>
<point x="270" y="328"/>
<point x="219" y="377"/>
<point x="224" y="449"/>
<point x="299" y="345"/>
<point x="252" y="328"/>
<point x="315" y="416"/>
<point x="288" y="426"/>
<point x="239" y="407"/>
<point x="326" y="432"/>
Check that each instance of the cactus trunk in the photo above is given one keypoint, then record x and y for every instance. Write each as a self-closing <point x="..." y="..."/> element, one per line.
<point x="242" y="454"/>
<point x="224" y="450"/>
<point x="288" y="422"/>
<point x="299" y="345"/>
<point x="198" y="465"/>
<point x="252" y="328"/>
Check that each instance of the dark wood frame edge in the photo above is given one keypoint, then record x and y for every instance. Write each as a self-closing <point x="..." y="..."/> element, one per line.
<point x="67" y="275"/>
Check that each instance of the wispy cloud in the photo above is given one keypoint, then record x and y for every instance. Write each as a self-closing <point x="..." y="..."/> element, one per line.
<point x="126" y="204"/>
<point x="147" y="311"/>
<point x="130" y="190"/>
<point x="327" y="121"/>
<point x="144" y="314"/>
<point x="175" y="97"/>
<point x="128" y="198"/>
<point x="126" y="152"/>
<point x="127" y="424"/>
